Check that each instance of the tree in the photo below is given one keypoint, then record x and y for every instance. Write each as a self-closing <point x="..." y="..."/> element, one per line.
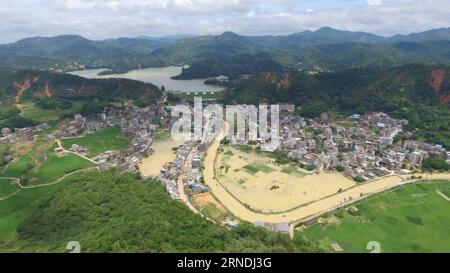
<point x="435" y="164"/>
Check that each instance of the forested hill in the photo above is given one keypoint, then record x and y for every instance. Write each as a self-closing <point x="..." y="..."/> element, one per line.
<point x="231" y="66"/>
<point x="30" y="85"/>
<point x="323" y="50"/>
<point x="114" y="212"/>
<point x="209" y="61"/>
<point x="418" y="93"/>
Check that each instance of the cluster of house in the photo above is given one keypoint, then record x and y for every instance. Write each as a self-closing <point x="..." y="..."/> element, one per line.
<point x="81" y="125"/>
<point x="77" y="149"/>
<point x="193" y="179"/>
<point x="362" y="146"/>
<point x="187" y="167"/>
<point x="137" y="124"/>
<point x="23" y="134"/>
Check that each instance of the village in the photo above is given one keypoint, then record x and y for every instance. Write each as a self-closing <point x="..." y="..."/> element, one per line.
<point x="364" y="148"/>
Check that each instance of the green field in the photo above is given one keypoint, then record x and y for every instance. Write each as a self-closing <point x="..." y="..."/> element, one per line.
<point x="36" y="169"/>
<point x="251" y="169"/>
<point x="213" y="212"/>
<point x="56" y="167"/>
<point x="294" y="171"/>
<point x="228" y="153"/>
<point x="254" y="168"/>
<point x="17" y="208"/>
<point x="445" y="190"/>
<point x="31" y="111"/>
<point x="413" y="218"/>
<point x="19" y="167"/>
<point x="7" y="187"/>
<point x="102" y="141"/>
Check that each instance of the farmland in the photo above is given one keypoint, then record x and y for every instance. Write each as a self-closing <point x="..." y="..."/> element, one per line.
<point x="36" y="113"/>
<point x="17" y="208"/>
<point x="102" y="141"/>
<point x="413" y="218"/>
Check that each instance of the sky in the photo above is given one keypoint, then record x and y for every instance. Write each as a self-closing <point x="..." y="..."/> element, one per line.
<point x="102" y="19"/>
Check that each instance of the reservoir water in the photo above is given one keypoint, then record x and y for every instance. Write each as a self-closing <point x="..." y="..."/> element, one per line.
<point x="157" y="76"/>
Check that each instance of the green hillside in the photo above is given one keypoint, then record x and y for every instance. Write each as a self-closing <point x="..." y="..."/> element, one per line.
<point x="111" y="212"/>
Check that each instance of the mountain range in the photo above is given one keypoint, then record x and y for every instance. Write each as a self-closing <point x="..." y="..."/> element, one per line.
<point x="325" y="49"/>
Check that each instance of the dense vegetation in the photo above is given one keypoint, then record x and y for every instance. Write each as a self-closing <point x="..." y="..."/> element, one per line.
<point x="325" y="48"/>
<point x="4" y="151"/>
<point x="231" y="66"/>
<point x="53" y="104"/>
<point x="114" y="213"/>
<point x="16" y="121"/>
<point x="69" y="51"/>
<point x="65" y="87"/>
<point x="435" y="164"/>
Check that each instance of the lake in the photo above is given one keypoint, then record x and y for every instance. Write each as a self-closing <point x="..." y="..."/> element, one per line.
<point x="157" y="76"/>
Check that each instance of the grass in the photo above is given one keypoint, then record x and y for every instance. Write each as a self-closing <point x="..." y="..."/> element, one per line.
<point x="35" y="168"/>
<point x="17" y="208"/>
<point x="56" y="167"/>
<point x="293" y="171"/>
<point x="36" y="165"/>
<point x="164" y="135"/>
<point x="102" y="141"/>
<point x="266" y="169"/>
<point x="254" y="168"/>
<point x="228" y="153"/>
<point x="54" y="125"/>
<point x="445" y="190"/>
<point x="19" y="167"/>
<point x="7" y="187"/>
<point x="31" y="111"/>
<point x="213" y="212"/>
<point x="251" y="169"/>
<point x="413" y="218"/>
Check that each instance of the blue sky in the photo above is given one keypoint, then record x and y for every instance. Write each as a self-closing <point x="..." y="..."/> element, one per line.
<point x="101" y="19"/>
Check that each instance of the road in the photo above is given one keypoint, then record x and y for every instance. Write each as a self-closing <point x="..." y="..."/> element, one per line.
<point x="77" y="154"/>
<point x="183" y="196"/>
<point x="17" y="181"/>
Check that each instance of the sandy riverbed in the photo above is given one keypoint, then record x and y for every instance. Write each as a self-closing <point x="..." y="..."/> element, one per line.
<point x="164" y="153"/>
<point x="272" y="189"/>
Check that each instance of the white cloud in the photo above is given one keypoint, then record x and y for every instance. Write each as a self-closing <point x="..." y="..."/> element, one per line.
<point x="100" y="19"/>
<point x="374" y="2"/>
